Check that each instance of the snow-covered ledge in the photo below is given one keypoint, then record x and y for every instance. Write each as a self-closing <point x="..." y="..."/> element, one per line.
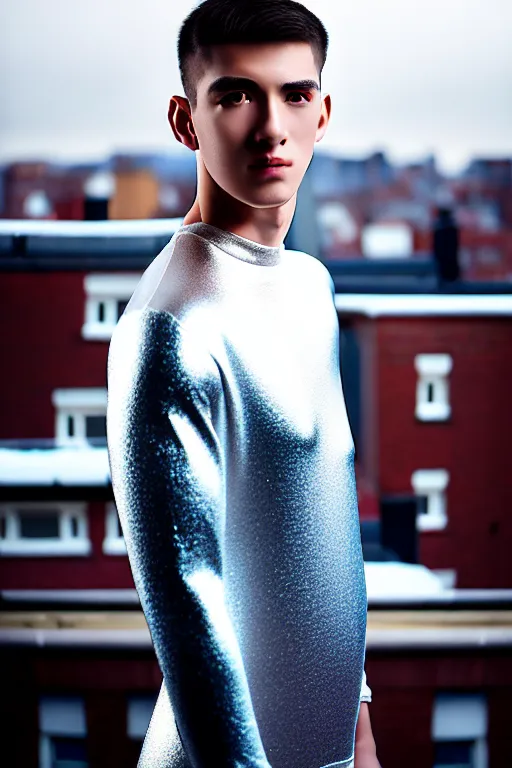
<point x="70" y="465"/>
<point x="428" y="304"/>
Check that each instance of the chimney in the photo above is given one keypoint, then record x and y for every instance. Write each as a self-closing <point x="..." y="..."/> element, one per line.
<point x="98" y="190"/>
<point x="445" y="240"/>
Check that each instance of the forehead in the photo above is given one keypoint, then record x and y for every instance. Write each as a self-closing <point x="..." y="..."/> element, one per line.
<point x="268" y="64"/>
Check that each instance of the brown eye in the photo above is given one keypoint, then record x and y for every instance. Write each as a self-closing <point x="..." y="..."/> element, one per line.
<point x="302" y="97"/>
<point x="235" y="98"/>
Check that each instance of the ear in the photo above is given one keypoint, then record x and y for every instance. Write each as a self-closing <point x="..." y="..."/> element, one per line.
<point x="325" y="115"/>
<point x="180" y="120"/>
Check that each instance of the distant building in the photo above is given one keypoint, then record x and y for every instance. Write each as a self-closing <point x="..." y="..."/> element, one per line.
<point x="496" y="172"/>
<point x="146" y="186"/>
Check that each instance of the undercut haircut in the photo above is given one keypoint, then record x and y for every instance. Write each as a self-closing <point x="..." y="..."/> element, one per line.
<point x="223" y="22"/>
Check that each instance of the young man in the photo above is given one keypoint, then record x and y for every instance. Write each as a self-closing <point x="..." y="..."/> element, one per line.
<point x="230" y="450"/>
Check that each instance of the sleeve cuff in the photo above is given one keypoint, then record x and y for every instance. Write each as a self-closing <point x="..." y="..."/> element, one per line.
<point x="366" y="692"/>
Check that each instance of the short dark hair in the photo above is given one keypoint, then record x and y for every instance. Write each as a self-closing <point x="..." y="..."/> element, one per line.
<point x="221" y="22"/>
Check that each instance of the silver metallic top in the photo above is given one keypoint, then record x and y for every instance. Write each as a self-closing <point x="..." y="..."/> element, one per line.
<point x="232" y="466"/>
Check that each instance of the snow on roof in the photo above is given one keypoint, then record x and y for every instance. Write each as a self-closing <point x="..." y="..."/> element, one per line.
<point x="70" y="465"/>
<point x="393" y="580"/>
<point x="399" y="305"/>
<point x="108" y="228"/>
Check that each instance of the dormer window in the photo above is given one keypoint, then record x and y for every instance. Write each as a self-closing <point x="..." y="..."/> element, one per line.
<point x="80" y="416"/>
<point x="106" y="297"/>
<point x="432" y="388"/>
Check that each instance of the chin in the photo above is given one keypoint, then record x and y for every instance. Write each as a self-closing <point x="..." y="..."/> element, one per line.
<point x="268" y="197"/>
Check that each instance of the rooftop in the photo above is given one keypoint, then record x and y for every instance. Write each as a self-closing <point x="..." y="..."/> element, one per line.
<point x="131" y="245"/>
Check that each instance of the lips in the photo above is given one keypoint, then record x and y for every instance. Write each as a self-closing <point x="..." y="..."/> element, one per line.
<point x="269" y="161"/>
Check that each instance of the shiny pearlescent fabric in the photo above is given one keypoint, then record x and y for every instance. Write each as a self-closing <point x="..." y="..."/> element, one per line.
<point x="232" y="468"/>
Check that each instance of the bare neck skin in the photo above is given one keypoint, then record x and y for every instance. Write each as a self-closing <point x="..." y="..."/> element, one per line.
<point x="214" y="206"/>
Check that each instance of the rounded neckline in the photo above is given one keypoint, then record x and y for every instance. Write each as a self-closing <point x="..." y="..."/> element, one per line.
<point x="235" y="245"/>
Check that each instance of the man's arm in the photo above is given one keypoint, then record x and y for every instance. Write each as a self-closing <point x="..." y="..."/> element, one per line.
<point x="365" y="750"/>
<point x="168" y="479"/>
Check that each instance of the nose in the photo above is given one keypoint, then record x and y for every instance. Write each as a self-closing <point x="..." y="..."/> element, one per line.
<point x="271" y="128"/>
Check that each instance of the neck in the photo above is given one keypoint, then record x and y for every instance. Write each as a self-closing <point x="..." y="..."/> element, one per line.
<point x="267" y="226"/>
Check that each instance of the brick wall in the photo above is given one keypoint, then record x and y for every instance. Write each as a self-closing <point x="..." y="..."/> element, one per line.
<point x="43" y="349"/>
<point x="473" y="445"/>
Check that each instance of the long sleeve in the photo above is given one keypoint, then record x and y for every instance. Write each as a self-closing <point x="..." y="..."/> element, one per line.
<point x="167" y="468"/>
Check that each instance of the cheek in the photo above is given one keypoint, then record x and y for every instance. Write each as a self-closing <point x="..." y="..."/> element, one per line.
<point x="220" y="139"/>
<point x="303" y="142"/>
<point x="305" y="127"/>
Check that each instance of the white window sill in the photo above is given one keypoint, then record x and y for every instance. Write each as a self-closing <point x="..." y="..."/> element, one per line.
<point x="83" y="443"/>
<point x="97" y="331"/>
<point x="114" y="547"/>
<point x="433" y="411"/>
<point x="426" y="522"/>
<point x="45" y="548"/>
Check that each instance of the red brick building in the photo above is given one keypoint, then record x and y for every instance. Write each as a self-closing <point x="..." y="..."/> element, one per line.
<point x="426" y="379"/>
<point x="61" y="295"/>
<point x="79" y="681"/>
<point x="436" y="415"/>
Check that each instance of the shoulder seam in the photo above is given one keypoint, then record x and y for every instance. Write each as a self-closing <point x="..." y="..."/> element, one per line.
<point x="183" y="328"/>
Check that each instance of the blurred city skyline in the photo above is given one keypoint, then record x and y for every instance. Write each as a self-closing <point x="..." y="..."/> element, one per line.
<point x="84" y="80"/>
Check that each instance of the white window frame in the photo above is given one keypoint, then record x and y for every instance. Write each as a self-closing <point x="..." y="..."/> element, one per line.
<point x="59" y="716"/>
<point x="105" y="289"/>
<point x="433" y="371"/>
<point x="65" y="544"/>
<point x="113" y="543"/>
<point x="432" y="484"/>
<point x="462" y="717"/>
<point x="77" y="404"/>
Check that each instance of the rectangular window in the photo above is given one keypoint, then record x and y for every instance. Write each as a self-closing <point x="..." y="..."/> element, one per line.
<point x="62" y="728"/>
<point x="95" y="427"/>
<point x="459" y="730"/>
<point x="38" y="524"/>
<point x="430" y="485"/>
<point x="44" y="529"/>
<point x="432" y="388"/>
<point x="106" y="298"/>
<point x="81" y="416"/>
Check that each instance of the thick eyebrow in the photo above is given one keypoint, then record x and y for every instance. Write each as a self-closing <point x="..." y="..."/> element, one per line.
<point x="229" y="83"/>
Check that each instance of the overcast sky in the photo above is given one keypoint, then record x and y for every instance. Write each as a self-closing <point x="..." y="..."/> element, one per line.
<point x="80" y="79"/>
